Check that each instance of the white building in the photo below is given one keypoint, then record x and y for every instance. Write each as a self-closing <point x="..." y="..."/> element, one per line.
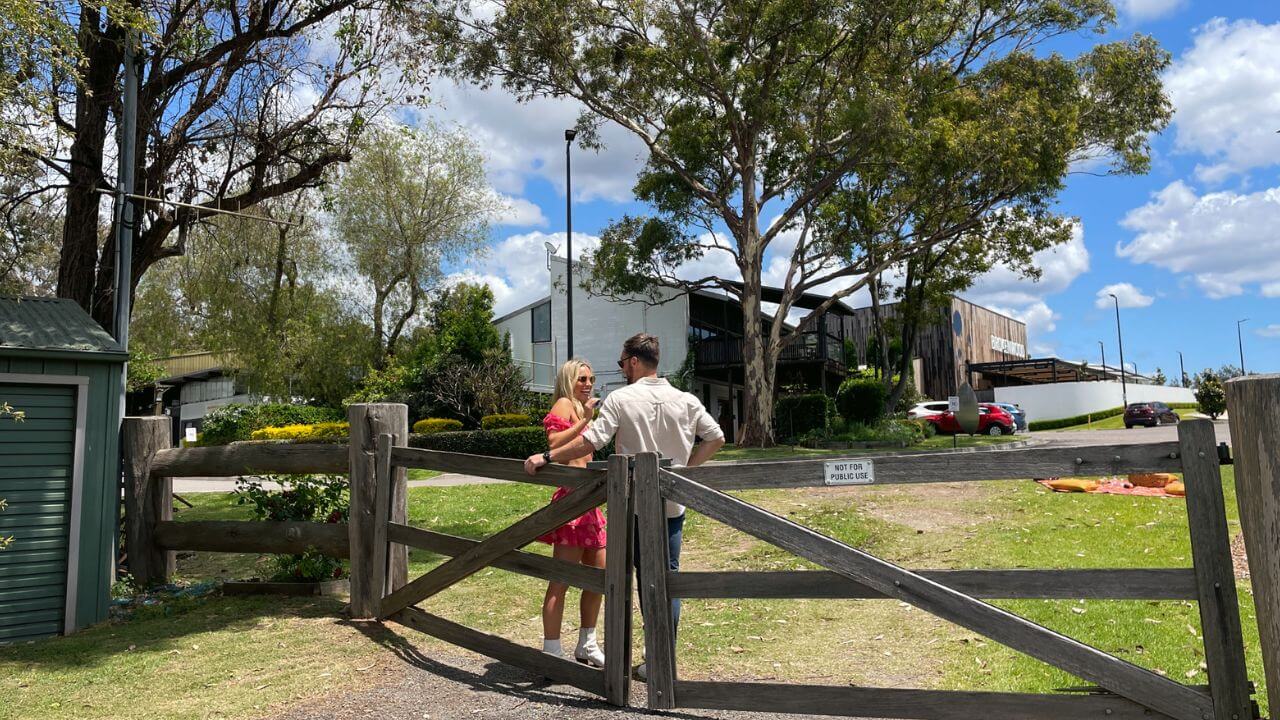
<point x="707" y="323"/>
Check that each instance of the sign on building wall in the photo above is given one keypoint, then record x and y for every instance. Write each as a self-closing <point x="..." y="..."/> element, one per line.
<point x="1008" y="347"/>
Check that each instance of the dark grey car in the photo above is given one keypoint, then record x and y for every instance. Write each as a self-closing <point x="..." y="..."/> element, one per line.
<point x="1019" y="417"/>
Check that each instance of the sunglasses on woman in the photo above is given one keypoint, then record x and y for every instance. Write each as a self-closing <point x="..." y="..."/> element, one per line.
<point x="588" y="379"/>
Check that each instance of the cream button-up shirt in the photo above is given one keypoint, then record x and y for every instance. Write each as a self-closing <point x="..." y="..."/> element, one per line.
<point x="650" y="415"/>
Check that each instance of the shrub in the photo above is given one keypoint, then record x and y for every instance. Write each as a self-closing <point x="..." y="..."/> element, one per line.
<point x="391" y="384"/>
<point x="795" y="416"/>
<point x="435" y="425"/>
<point x="1211" y="397"/>
<point x="306" y="498"/>
<point x="517" y="443"/>
<point x="316" y="432"/>
<point x="237" y="422"/>
<point x="506" y="420"/>
<point x="861" y="400"/>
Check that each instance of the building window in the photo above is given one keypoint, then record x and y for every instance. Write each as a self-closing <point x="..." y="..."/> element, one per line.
<point x="542" y="323"/>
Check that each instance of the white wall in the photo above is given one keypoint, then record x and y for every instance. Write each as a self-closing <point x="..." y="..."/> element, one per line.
<point x="537" y="365"/>
<point x="601" y="325"/>
<point x="1060" y="400"/>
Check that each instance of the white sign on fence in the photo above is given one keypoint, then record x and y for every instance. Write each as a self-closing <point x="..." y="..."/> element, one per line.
<point x="849" y="472"/>
<point x="191" y="434"/>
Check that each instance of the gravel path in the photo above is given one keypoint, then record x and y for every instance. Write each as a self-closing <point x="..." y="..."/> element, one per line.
<point x="464" y="685"/>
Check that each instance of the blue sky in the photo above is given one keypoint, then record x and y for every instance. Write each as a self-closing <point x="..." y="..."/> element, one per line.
<point x="1189" y="248"/>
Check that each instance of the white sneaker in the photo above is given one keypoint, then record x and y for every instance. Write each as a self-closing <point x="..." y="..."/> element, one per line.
<point x="589" y="654"/>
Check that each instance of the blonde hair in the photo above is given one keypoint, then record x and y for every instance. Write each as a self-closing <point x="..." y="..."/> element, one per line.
<point x="565" y="381"/>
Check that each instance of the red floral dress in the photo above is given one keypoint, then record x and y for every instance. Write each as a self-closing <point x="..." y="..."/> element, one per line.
<point x="586" y="531"/>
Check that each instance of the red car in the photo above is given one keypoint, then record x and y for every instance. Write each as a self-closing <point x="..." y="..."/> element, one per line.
<point x="992" y="420"/>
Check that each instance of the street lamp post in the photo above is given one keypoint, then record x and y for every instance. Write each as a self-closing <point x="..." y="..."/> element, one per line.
<point x="568" y="240"/>
<point x="1102" y="349"/>
<point x="1182" y="381"/>
<point x="1124" y="388"/>
<point x="1240" y="343"/>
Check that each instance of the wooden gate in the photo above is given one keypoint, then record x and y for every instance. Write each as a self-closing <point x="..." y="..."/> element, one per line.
<point x="502" y="550"/>
<point x="635" y="489"/>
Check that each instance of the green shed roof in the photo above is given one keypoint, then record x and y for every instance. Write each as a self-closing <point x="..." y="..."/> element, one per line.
<point x="51" y="325"/>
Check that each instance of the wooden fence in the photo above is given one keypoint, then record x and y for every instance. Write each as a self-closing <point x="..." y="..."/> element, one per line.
<point x="378" y="537"/>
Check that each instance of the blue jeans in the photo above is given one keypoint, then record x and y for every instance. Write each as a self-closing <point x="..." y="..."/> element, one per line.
<point x="675" y="535"/>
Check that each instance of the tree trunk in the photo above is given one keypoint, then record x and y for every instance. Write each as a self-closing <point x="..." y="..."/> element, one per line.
<point x="759" y="363"/>
<point x="78" y="257"/>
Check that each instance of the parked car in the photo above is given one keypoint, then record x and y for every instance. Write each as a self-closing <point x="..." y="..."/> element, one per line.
<point x="1019" y="417"/>
<point x="1149" y="414"/>
<point x="925" y="409"/>
<point x="992" y="420"/>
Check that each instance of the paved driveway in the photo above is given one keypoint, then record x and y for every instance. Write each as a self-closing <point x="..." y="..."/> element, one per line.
<point x="1161" y="433"/>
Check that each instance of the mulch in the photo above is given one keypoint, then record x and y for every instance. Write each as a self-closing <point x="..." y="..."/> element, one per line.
<point x="1239" y="560"/>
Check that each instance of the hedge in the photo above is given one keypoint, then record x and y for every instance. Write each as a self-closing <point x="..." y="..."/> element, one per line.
<point x="1099" y="415"/>
<point x="506" y="420"/>
<point x="317" y="432"/>
<point x="861" y="400"/>
<point x="237" y="422"/>
<point x="795" y="415"/>
<point x="435" y="425"/>
<point x="517" y="443"/>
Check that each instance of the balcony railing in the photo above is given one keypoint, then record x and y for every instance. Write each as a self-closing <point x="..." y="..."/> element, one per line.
<point x="726" y="351"/>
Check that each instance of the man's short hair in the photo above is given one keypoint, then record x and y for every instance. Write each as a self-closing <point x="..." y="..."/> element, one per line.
<point x="642" y="346"/>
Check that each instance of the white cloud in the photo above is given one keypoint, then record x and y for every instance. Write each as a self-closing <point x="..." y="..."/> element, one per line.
<point x="1126" y="294"/>
<point x="1270" y="331"/>
<point x="1148" y="9"/>
<point x="519" y="212"/>
<point x="1226" y="90"/>
<point x="1059" y="266"/>
<point x="524" y="141"/>
<point x="1224" y="240"/>
<point x="516" y="268"/>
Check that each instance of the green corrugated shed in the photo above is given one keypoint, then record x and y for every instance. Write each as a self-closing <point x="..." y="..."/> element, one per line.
<point x="58" y="468"/>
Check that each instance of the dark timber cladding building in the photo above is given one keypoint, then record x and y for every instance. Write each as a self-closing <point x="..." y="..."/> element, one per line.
<point x="961" y="334"/>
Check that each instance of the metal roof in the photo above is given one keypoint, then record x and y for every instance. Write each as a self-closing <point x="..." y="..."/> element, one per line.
<point x="35" y="324"/>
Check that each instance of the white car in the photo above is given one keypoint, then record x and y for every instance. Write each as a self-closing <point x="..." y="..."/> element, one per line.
<point x="925" y="409"/>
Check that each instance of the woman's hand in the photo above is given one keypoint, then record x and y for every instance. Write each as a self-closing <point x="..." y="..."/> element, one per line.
<point x="592" y="403"/>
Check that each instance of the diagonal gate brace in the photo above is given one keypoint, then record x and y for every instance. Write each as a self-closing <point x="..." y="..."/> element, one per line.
<point x="481" y="555"/>
<point x="1121" y="677"/>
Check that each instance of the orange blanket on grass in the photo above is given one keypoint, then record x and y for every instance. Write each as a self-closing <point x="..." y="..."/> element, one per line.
<point x="1145" y="484"/>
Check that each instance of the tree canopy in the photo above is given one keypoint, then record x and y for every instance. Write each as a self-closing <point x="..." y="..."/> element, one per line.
<point x="847" y="137"/>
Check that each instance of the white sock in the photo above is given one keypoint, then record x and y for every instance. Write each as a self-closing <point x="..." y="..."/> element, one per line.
<point x="552" y="646"/>
<point x="586" y="636"/>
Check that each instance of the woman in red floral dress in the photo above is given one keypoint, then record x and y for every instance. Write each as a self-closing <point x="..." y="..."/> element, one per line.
<point x="581" y="540"/>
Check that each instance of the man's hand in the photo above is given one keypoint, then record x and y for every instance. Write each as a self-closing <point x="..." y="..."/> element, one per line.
<point x="533" y="462"/>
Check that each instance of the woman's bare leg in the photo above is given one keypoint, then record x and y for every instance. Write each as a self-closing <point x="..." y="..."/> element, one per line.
<point x="553" y="603"/>
<point x="590" y="604"/>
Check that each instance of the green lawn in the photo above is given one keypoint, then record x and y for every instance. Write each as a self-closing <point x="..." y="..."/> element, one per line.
<point x="237" y="657"/>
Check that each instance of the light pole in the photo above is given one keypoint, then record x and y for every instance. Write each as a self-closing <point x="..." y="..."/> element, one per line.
<point x="1102" y="349"/>
<point x="1182" y="381"/>
<point x="568" y="240"/>
<point x="1240" y="342"/>
<point x="1124" y="388"/>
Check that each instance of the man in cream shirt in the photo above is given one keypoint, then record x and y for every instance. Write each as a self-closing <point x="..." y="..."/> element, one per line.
<point x="648" y="415"/>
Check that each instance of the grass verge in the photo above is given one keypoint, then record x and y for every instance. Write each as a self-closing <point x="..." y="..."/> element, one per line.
<point x="240" y="657"/>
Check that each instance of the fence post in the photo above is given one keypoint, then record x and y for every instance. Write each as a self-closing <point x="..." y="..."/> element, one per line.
<point x="1253" y="410"/>
<point x="617" y="592"/>
<point x="147" y="501"/>
<point x="659" y="626"/>
<point x="383" y="475"/>
<point x="1215" y="575"/>
<point x="368" y="421"/>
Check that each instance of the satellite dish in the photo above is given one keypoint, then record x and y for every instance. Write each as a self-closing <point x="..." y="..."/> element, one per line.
<point x="967" y="415"/>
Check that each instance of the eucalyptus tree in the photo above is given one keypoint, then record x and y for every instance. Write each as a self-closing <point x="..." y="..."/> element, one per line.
<point x="239" y="102"/>
<point x="410" y="201"/>
<point x="762" y="117"/>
